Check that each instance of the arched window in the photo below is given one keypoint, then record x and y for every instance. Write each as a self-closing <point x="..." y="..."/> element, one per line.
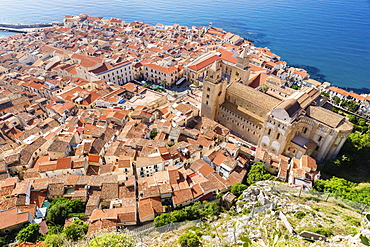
<point x="269" y="132"/>
<point x="278" y="136"/>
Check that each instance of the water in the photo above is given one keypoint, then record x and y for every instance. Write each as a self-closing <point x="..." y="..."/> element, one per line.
<point x="329" y="37"/>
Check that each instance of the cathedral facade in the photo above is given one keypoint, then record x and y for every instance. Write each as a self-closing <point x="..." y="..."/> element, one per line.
<point x="293" y="125"/>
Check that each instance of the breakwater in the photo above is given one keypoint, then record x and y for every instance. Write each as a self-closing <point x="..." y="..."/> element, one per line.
<point x="25" y="28"/>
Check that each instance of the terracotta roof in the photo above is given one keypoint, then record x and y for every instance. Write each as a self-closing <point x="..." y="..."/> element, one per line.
<point x="203" y="63"/>
<point x="12" y="217"/>
<point x="63" y="163"/>
<point x="167" y="70"/>
<point x="182" y="195"/>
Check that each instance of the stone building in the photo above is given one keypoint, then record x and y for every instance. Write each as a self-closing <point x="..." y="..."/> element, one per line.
<point x="293" y="126"/>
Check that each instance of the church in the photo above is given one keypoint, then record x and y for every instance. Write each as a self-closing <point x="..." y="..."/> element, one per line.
<point x="278" y="119"/>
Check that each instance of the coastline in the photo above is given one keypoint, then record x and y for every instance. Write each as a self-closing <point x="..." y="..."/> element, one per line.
<point x="314" y="72"/>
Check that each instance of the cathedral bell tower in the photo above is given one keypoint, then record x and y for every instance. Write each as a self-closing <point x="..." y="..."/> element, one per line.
<point x="242" y="68"/>
<point x="214" y="87"/>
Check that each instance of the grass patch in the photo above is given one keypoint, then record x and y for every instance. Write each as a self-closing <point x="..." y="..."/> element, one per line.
<point x="325" y="231"/>
<point x="300" y="215"/>
<point x="312" y="198"/>
<point x="351" y="220"/>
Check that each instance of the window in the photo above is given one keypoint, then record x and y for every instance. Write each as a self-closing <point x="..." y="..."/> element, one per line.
<point x="320" y="138"/>
<point x="317" y="148"/>
<point x="304" y="130"/>
<point x="207" y="96"/>
<point x="207" y="102"/>
<point x="269" y="132"/>
<point x="208" y="89"/>
<point x="278" y="136"/>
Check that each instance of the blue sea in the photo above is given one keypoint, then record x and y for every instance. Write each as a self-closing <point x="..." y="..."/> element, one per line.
<point x="330" y="38"/>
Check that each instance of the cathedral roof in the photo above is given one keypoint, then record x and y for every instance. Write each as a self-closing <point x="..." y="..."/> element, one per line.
<point x="291" y="106"/>
<point x="325" y="116"/>
<point x="256" y="97"/>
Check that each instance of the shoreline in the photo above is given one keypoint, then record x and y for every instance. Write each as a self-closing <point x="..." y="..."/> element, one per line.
<point x="13" y="28"/>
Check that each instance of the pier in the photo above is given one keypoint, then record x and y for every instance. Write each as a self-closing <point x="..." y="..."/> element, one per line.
<point x="26" y="28"/>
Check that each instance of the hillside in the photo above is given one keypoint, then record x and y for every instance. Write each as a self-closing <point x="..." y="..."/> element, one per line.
<point x="257" y="215"/>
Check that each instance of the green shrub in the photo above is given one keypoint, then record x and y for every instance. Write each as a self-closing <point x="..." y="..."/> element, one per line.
<point x="111" y="240"/>
<point x="54" y="240"/>
<point x="327" y="232"/>
<point x="238" y="188"/>
<point x="313" y="198"/>
<point x="246" y="211"/>
<point x="29" y="233"/>
<point x="219" y="195"/>
<point x="76" y="230"/>
<point x="299" y="215"/>
<point x="2" y="242"/>
<point x="258" y="173"/>
<point x="189" y="239"/>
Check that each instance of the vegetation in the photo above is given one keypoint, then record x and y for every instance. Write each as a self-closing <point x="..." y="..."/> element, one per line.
<point x="54" y="240"/>
<point x="350" y="105"/>
<point x="238" y="188"/>
<point x="344" y="189"/>
<point x="299" y="215"/>
<point x="219" y="195"/>
<point x="325" y="231"/>
<point x="61" y="208"/>
<point x="189" y="239"/>
<point x="153" y="134"/>
<point x="326" y="94"/>
<point x="29" y="233"/>
<point x="76" y="230"/>
<point x="264" y="88"/>
<point x="111" y="240"/>
<point x="295" y="87"/>
<point x="258" y="173"/>
<point x="336" y="100"/>
<point x="192" y="212"/>
<point x="2" y="242"/>
<point x="354" y="158"/>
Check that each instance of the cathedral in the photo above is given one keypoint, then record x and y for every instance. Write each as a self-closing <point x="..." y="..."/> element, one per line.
<point x="278" y="119"/>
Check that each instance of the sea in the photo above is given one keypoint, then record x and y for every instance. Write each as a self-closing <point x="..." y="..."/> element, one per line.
<point x="329" y="38"/>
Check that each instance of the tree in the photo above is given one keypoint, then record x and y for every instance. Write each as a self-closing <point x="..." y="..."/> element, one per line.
<point x="57" y="214"/>
<point x="76" y="230"/>
<point x="362" y="122"/>
<point x="238" y="188"/>
<point x="153" y="134"/>
<point x="54" y="240"/>
<point x="336" y="100"/>
<point x="352" y="118"/>
<point x="264" y="88"/>
<point x="112" y="240"/>
<point x="29" y="233"/>
<point x="326" y="94"/>
<point x="2" y="242"/>
<point x="189" y="239"/>
<point x="211" y="209"/>
<point x="60" y="208"/>
<point x="258" y="173"/>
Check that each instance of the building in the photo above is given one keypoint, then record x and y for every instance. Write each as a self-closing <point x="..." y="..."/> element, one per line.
<point x="293" y="126"/>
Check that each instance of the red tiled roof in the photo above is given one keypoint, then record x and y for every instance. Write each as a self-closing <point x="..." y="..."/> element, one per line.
<point x="204" y="63"/>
